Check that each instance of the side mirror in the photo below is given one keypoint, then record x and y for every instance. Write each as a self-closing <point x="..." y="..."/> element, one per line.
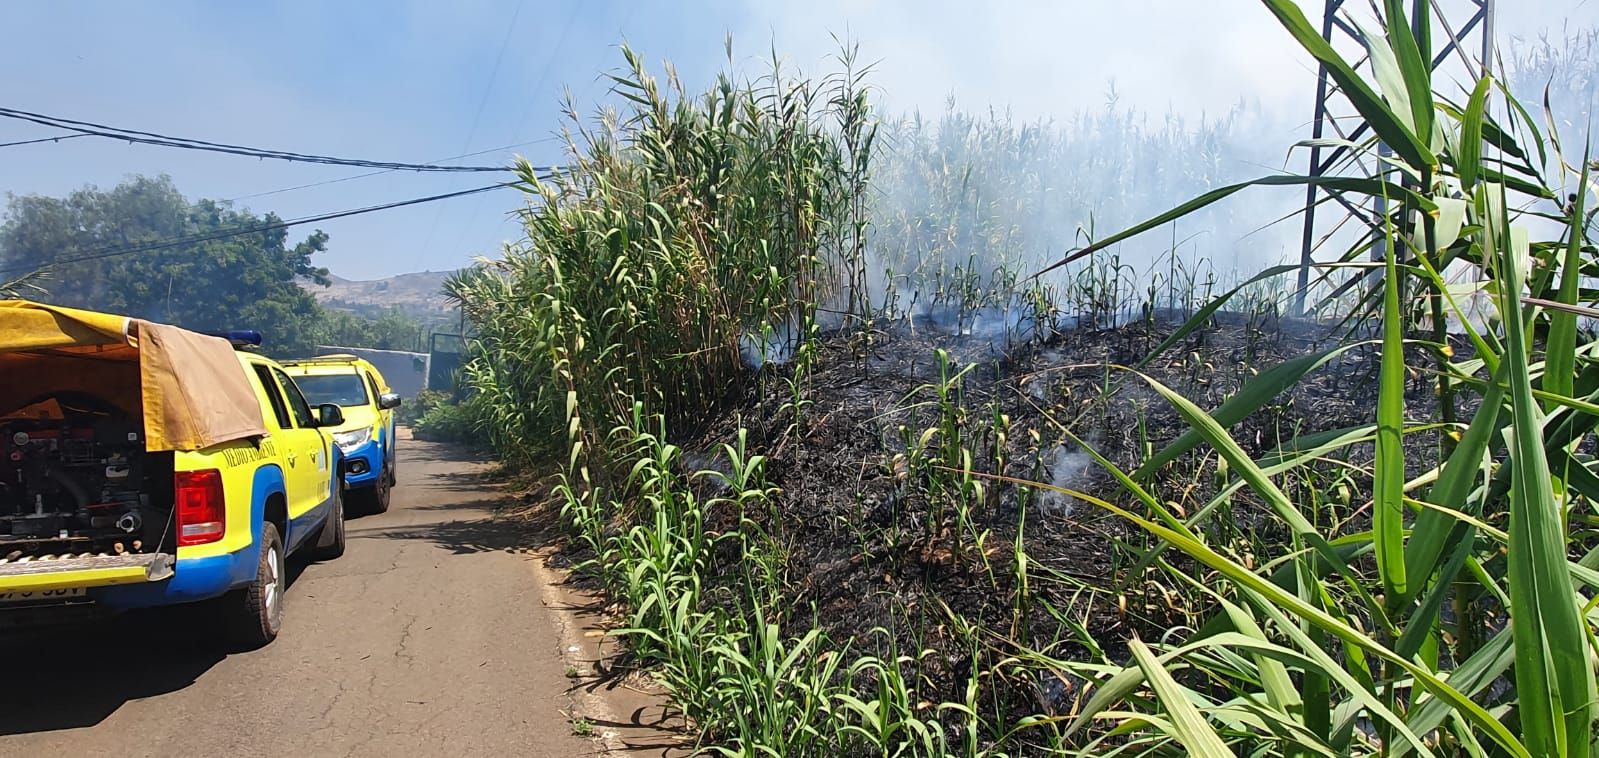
<point x="388" y="400"/>
<point x="329" y="414"/>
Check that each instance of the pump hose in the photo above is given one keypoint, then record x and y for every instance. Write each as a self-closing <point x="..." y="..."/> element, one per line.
<point x="70" y="485"/>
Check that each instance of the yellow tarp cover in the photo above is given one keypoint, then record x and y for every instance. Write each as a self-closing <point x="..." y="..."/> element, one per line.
<point x="27" y="325"/>
<point x="192" y="391"/>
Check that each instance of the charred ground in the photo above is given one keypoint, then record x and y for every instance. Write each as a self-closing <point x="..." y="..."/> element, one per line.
<point x="872" y="553"/>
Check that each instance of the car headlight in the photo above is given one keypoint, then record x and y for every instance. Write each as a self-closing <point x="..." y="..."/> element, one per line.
<point x="351" y="440"/>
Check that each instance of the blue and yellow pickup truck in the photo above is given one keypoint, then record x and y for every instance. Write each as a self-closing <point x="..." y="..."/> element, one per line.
<point x="367" y="435"/>
<point x="145" y="465"/>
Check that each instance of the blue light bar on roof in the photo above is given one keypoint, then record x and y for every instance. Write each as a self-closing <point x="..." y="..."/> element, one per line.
<point x="240" y="337"/>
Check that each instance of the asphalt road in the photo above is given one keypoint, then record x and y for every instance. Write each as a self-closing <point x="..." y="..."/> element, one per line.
<point x="428" y="637"/>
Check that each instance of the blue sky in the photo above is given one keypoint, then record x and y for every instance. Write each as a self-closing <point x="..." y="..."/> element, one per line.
<point x="425" y="80"/>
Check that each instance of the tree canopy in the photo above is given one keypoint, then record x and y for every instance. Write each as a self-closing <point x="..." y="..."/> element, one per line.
<point x="389" y="330"/>
<point x="247" y="281"/>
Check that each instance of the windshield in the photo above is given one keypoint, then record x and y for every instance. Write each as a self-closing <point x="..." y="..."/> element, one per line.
<point x="339" y="389"/>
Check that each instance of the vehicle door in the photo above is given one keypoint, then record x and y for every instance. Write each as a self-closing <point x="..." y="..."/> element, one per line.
<point x="287" y="439"/>
<point x="385" y="417"/>
<point x="305" y="451"/>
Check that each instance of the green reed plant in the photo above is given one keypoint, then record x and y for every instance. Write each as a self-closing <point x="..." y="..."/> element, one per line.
<point x="634" y="282"/>
<point x="966" y="201"/>
<point x="1341" y="646"/>
<point x="623" y="314"/>
<point x="892" y="719"/>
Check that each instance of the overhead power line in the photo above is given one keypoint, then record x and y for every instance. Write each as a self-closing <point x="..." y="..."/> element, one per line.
<point x="383" y="171"/>
<point x="532" y="98"/>
<point x="195" y="239"/>
<point x="91" y="129"/>
<point x="56" y="138"/>
<point x="494" y="75"/>
<point x="477" y="118"/>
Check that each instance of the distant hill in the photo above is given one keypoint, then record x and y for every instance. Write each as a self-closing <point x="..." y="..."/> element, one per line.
<point x="416" y="294"/>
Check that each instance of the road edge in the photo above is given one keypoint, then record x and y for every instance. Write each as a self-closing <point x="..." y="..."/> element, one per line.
<point x="581" y="648"/>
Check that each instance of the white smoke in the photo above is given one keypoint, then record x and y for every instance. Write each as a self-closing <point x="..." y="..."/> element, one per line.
<point x="1067" y="469"/>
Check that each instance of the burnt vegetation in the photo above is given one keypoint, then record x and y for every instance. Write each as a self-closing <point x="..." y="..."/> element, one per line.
<point x="863" y="485"/>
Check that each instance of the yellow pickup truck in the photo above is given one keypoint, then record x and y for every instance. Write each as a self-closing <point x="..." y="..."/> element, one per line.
<point x="367" y="435"/>
<point x="143" y="465"/>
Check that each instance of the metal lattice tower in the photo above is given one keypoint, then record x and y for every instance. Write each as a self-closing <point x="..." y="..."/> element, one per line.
<point x="1460" y="41"/>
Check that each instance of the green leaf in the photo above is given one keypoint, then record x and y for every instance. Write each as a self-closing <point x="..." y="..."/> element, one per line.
<point x="1520" y="185"/>
<point x="1471" y="677"/>
<point x="1506" y="143"/>
<point x="1334" y="184"/>
<point x="1189" y="724"/>
<point x="1423" y="627"/>
<point x="1560" y="367"/>
<point x="1387" y="126"/>
<point x="1249" y="398"/>
<point x="1469" y="162"/>
<point x="1390" y="78"/>
<point x="1293" y="454"/>
<point x="1312" y="658"/>
<point x="1432" y="528"/>
<point x="1388" y="509"/>
<point x="1275" y="598"/>
<point x="1414" y="66"/>
<point x="1554" y="675"/>
<point x="1261" y="483"/>
<point x="1578" y="476"/>
<point x="1111" y="691"/>
<point x="1451" y="217"/>
<point x="1273" y="674"/>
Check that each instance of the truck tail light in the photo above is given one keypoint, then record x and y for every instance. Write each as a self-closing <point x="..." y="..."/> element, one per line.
<point x="202" y="510"/>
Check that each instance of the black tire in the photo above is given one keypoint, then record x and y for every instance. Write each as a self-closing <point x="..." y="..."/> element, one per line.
<point x="255" y="612"/>
<point x="330" y="540"/>
<point x="377" y="497"/>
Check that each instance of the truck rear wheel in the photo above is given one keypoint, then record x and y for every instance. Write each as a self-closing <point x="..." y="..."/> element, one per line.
<point x="380" y="494"/>
<point x="374" y="499"/>
<point x="330" y="540"/>
<point x="255" y="612"/>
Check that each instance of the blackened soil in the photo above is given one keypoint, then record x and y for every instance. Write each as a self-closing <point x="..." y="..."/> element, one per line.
<point x="885" y="550"/>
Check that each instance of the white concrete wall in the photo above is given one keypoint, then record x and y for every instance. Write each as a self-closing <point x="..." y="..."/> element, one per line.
<point x="407" y="373"/>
